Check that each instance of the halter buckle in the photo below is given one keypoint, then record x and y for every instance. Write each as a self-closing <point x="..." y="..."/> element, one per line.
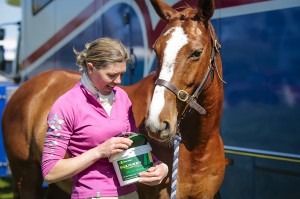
<point x="183" y="98"/>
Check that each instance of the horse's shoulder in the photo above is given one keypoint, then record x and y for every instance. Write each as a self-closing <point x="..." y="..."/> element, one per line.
<point x="44" y="88"/>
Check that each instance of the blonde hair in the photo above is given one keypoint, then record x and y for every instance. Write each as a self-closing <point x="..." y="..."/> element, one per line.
<point x="101" y="52"/>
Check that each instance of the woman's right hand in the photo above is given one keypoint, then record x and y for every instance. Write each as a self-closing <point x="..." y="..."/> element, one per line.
<point x="66" y="168"/>
<point x="113" y="145"/>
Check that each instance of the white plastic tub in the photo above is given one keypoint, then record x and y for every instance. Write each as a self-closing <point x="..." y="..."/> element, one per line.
<point x="129" y="163"/>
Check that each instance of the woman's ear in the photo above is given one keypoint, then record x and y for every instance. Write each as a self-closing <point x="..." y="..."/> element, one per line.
<point x="89" y="67"/>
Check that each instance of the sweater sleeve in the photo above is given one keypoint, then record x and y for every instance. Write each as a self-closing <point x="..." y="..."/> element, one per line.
<point x="57" y="137"/>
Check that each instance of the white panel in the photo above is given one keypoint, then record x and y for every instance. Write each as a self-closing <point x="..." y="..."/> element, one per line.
<point x="39" y="28"/>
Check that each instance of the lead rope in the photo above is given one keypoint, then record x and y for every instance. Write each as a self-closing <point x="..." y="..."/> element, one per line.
<point x="177" y="140"/>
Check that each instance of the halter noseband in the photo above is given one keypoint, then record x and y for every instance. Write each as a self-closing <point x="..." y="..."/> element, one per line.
<point x="182" y="95"/>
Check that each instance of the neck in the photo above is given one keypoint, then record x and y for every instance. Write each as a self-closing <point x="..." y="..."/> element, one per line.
<point x="88" y="84"/>
<point x="212" y="101"/>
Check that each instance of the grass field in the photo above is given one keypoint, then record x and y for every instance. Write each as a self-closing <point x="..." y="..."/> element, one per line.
<point x="6" y="191"/>
<point x="6" y="188"/>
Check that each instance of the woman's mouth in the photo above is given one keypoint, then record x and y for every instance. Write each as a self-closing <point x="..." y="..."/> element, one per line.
<point x="110" y="88"/>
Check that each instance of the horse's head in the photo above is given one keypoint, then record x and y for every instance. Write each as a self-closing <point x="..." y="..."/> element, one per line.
<point x="185" y="52"/>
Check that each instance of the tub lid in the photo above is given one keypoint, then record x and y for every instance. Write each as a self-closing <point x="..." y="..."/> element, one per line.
<point x="131" y="152"/>
<point x="138" y="140"/>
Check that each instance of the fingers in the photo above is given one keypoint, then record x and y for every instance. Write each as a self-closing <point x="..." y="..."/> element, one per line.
<point x="150" y="173"/>
<point x="151" y="169"/>
<point x="121" y="143"/>
<point x="121" y="146"/>
<point x="154" y="175"/>
<point x="118" y="145"/>
<point x="121" y="140"/>
<point x="114" y="145"/>
<point x="150" y="178"/>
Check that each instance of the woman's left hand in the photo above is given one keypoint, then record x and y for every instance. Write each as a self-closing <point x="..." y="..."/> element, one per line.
<point x="154" y="175"/>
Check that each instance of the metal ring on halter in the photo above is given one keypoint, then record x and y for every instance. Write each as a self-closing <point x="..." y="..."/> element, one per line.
<point x="180" y="98"/>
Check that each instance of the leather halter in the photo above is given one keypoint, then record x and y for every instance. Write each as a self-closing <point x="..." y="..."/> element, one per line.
<point x="182" y="95"/>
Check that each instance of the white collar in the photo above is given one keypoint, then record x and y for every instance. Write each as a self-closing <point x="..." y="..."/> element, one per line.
<point x="90" y="87"/>
<point x="86" y="82"/>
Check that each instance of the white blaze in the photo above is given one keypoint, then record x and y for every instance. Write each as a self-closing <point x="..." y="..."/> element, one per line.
<point x="177" y="40"/>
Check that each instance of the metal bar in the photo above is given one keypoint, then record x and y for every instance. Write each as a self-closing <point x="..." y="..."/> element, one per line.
<point x="289" y="157"/>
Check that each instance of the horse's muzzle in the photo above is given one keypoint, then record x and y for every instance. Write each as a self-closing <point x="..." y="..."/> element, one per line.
<point x="160" y="132"/>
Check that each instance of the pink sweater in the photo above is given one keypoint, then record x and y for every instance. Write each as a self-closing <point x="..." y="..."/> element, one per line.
<point x="77" y="122"/>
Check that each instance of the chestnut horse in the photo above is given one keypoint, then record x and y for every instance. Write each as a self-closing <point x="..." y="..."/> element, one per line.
<point x="183" y="98"/>
<point x="188" y="60"/>
<point x="24" y="127"/>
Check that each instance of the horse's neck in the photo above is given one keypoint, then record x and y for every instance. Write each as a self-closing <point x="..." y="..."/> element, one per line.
<point x="212" y="100"/>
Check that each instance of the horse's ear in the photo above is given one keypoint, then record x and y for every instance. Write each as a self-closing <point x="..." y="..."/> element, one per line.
<point x="206" y="10"/>
<point x="163" y="10"/>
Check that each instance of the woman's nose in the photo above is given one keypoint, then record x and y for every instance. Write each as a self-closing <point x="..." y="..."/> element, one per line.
<point x="118" y="80"/>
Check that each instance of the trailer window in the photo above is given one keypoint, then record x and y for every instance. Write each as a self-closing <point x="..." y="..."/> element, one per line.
<point x="38" y="5"/>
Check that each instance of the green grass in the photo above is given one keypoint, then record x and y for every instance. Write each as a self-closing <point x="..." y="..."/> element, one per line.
<point x="6" y="188"/>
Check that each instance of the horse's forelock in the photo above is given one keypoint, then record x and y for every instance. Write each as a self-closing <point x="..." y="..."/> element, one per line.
<point x="185" y="14"/>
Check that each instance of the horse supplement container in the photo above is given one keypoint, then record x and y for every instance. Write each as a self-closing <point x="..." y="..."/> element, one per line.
<point x="136" y="159"/>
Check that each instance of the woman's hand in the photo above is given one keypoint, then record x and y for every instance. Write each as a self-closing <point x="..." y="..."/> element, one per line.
<point x="155" y="174"/>
<point x="113" y="145"/>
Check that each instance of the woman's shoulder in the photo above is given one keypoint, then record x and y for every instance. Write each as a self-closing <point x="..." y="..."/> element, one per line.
<point x="69" y="97"/>
<point x="120" y="91"/>
<point x="121" y="94"/>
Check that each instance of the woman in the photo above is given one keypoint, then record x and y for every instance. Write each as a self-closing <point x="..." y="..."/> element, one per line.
<point x="85" y="122"/>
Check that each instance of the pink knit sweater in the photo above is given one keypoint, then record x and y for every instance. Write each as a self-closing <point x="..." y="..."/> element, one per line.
<point x="77" y="122"/>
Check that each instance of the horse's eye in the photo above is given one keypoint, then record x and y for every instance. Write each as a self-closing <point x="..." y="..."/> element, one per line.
<point x="196" y="54"/>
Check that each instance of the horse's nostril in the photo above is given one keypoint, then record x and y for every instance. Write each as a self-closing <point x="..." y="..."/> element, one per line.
<point x="165" y="125"/>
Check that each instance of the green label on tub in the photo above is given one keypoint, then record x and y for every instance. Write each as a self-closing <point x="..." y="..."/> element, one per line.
<point x="131" y="167"/>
